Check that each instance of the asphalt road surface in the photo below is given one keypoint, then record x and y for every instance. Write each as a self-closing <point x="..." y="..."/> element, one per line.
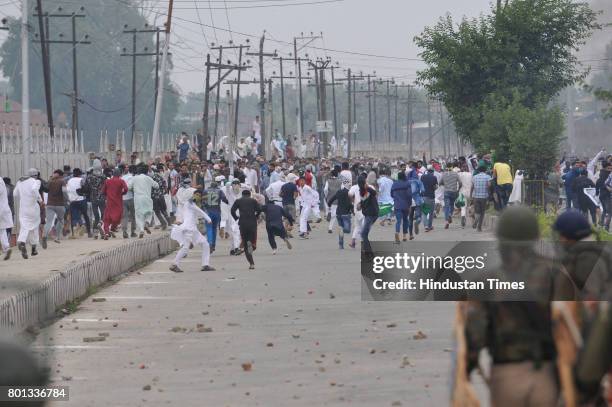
<point x="293" y="332"/>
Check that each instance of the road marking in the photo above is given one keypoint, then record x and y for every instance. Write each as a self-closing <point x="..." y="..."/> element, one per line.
<point x="147" y="298"/>
<point x="72" y="347"/>
<point x="94" y="320"/>
<point x="157" y="272"/>
<point x="143" y="282"/>
<point x="182" y="261"/>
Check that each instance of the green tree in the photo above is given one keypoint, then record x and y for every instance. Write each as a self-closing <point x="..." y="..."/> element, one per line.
<point x="104" y="76"/>
<point x="524" y="46"/>
<point x="529" y="137"/>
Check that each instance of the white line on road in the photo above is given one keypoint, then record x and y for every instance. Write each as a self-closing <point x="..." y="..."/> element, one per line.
<point x="149" y="298"/>
<point x="94" y="320"/>
<point x="73" y="347"/>
<point x="143" y="282"/>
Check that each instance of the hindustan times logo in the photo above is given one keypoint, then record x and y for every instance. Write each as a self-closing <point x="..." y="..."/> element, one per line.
<point x="412" y="263"/>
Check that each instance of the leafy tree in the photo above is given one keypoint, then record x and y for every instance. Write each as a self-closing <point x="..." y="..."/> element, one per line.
<point x="104" y="76"/>
<point x="528" y="137"/>
<point x="524" y="46"/>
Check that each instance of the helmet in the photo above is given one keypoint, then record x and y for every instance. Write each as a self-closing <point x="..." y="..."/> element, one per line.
<point x="518" y="223"/>
<point x="572" y="225"/>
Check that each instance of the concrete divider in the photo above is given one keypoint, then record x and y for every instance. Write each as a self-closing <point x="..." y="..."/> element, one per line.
<point x="35" y="305"/>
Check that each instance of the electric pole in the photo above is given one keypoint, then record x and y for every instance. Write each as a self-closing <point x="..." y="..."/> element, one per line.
<point x="46" y="69"/>
<point x="160" y="89"/>
<point x="220" y="48"/>
<point x="73" y="42"/>
<point x="262" y="90"/>
<point x="282" y="86"/>
<point x="282" y="78"/>
<point x="319" y="67"/>
<point x="348" y="77"/>
<point x="208" y="88"/>
<point x="133" y="55"/>
<point x="369" y="95"/>
<point x="25" y="87"/>
<point x="298" y="70"/>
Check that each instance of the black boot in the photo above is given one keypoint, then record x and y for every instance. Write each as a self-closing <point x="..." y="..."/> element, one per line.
<point x="34" y="251"/>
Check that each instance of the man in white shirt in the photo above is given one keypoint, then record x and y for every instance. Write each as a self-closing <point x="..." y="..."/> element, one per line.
<point x="251" y="176"/>
<point x="273" y="191"/>
<point x="256" y="134"/>
<point x="27" y="193"/>
<point x="309" y="199"/>
<point x="128" y="203"/>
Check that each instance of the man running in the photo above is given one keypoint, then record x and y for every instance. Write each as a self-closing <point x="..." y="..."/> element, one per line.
<point x="247" y="221"/>
<point x="186" y="233"/>
<point x="114" y="189"/>
<point x="274" y="224"/>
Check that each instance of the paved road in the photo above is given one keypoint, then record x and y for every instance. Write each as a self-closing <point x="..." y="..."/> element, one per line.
<point x="297" y="321"/>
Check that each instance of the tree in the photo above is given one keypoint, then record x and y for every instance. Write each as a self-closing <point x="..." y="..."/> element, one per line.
<point x="529" y="137"/>
<point x="525" y="46"/>
<point x="104" y="76"/>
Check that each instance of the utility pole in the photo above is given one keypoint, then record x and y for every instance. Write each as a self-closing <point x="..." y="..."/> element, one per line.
<point x="25" y="87"/>
<point x="370" y="108"/>
<point x="408" y="102"/>
<point x="282" y="86"/>
<point x="375" y="110"/>
<point x="282" y="78"/>
<point x="156" y="64"/>
<point x="262" y="90"/>
<point x="133" y="55"/>
<point x="73" y="42"/>
<point x="240" y="52"/>
<point x="217" y="96"/>
<point x="298" y="70"/>
<point x="348" y="76"/>
<point x="46" y="70"/>
<point x="204" y="148"/>
<point x="208" y="88"/>
<point x="396" y="97"/>
<point x="388" y="97"/>
<point x="319" y="67"/>
<point x="160" y="89"/>
<point x="271" y="117"/>
<point x="333" y="86"/>
<point x="220" y="48"/>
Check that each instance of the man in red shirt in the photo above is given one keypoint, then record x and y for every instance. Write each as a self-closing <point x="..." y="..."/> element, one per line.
<point x="114" y="189"/>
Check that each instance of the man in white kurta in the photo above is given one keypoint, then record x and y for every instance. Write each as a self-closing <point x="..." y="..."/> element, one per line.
<point x="232" y="193"/>
<point x="186" y="233"/>
<point x="142" y="185"/>
<point x="27" y="193"/>
<point x="309" y="198"/>
<point x="6" y="221"/>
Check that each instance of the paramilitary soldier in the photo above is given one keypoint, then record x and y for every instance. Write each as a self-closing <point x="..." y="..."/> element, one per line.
<point x="519" y="334"/>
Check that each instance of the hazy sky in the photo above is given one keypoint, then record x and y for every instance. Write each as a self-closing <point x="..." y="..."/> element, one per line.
<point x="381" y="27"/>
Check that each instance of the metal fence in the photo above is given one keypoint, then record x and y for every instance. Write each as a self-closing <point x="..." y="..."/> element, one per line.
<point x="35" y="305"/>
<point x="534" y="193"/>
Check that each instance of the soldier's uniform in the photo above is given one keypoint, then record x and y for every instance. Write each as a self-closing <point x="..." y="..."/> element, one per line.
<point x="519" y="334"/>
<point x="595" y="359"/>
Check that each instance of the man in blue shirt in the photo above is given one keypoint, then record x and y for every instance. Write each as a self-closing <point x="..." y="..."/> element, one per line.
<point x="183" y="148"/>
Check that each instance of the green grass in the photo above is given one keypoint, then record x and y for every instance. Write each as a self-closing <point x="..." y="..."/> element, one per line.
<point x="546" y="222"/>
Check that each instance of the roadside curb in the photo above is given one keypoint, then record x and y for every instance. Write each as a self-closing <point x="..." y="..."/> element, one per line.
<point x="33" y="306"/>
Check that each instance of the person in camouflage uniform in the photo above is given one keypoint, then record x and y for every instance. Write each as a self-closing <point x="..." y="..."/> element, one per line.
<point x="519" y="334"/>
